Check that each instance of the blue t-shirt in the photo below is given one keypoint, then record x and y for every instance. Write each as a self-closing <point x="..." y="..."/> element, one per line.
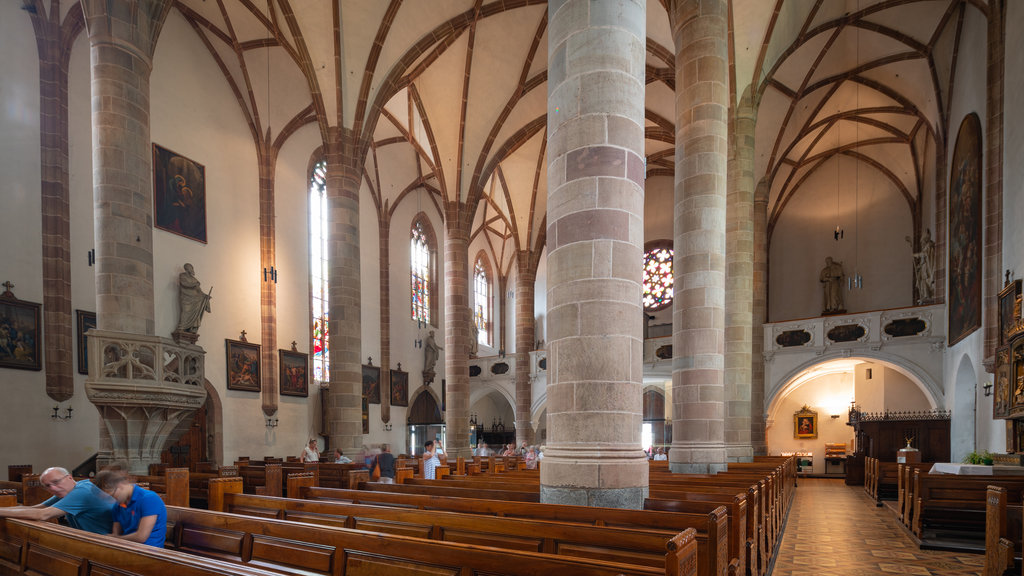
<point x="142" y="503"/>
<point x="85" y="507"/>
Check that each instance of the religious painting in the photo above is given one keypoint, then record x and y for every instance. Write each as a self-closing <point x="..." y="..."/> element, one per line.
<point x="1009" y="310"/>
<point x="805" y="423"/>
<point x="85" y="322"/>
<point x="965" y="232"/>
<point x="371" y="384"/>
<point x="20" y="340"/>
<point x="243" y="362"/>
<point x="294" y="373"/>
<point x="179" y="194"/>
<point x="399" y="388"/>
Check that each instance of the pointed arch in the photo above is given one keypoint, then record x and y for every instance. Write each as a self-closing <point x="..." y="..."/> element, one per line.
<point x="423" y="270"/>
<point x="483" y="299"/>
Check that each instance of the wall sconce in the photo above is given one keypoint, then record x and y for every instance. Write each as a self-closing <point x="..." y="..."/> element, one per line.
<point x="987" y="386"/>
<point x="835" y="416"/>
<point x="270" y="274"/>
<point x="92" y="256"/>
<point x="417" y="343"/>
<point x="56" y="413"/>
<point x="272" y="421"/>
<point x="387" y="426"/>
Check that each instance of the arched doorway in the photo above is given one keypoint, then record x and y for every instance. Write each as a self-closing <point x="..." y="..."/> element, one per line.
<point x="424" y="422"/>
<point x="494" y="415"/>
<point x="656" y="431"/>
<point x="963" y="427"/>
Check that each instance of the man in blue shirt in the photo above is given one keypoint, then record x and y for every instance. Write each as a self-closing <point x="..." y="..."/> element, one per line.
<point x="80" y="504"/>
<point x="139" y="515"/>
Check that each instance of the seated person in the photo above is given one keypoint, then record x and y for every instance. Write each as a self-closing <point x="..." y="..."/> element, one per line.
<point x="139" y="515"/>
<point x="78" y="504"/>
<point x="340" y="458"/>
<point x="531" y="458"/>
<point x="660" y="454"/>
<point x="510" y="450"/>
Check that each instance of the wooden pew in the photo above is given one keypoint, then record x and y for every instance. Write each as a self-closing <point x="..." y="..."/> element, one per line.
<point x="999" y="544"/>
<point x="440" y="490"/>
<point x="172" y="485"/>
<point x="956" y="503"/>
<point x="644" y="547"/>
<point x="8" y="497"/>
<point x="303" y="548"/>
<point x="712" y="528"/>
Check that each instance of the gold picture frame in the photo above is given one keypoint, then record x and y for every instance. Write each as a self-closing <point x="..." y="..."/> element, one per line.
<point x="805" y="423"/>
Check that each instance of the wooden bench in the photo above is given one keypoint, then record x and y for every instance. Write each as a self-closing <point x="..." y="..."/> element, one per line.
<point x="172" y="485"/>
<point x="952" y="504"/>
<point x="1003" y="530"/>
<point x="712" y="529"/>
<point x="302" y="548"/>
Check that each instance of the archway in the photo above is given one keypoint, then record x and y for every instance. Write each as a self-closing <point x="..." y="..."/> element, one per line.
<point x="493" y="411"/>
<point x="962" y="427"/>
<point x="425" y="421"/>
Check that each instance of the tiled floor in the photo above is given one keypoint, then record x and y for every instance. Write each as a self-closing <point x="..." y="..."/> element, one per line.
<point x="835" y="530"/>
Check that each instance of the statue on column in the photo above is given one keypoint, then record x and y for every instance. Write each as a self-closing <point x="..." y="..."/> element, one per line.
<point x="924" y="268"/>
<point x="474" y="338"/>
<point x="831" y="278"/>
<point x="193" y="303"/>
<point x="431" y="352"/>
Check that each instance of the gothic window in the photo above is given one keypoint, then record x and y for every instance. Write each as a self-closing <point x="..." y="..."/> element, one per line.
<point x="482" y="300"/>
<point x="421" y="264"/>
<point x="658" y="281"/>
<point x="318" y="270"/>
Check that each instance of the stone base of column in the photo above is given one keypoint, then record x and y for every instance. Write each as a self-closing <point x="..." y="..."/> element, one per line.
<point x="739" y="453"/>
<point x="629" y="498"/>
<point x="703" y="459"/>
<point x="760" y="449"/>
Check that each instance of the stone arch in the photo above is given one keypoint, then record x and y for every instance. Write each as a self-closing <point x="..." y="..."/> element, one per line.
<point x="423" y="389"/>
<point x="962" y="427"/>
<point x="915" y="373"/>
<point x="214" y="424"/>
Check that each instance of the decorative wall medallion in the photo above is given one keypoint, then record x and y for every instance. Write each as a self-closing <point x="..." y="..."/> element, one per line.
<point x="846" y="333"/>
<point x="543" y="364"/>
<point x="474" y="370"/>
<point x="499" y="368"/>
<point x="664" y="352"/>
<point x="905" y="327"/>
<point x="791" y="338"/>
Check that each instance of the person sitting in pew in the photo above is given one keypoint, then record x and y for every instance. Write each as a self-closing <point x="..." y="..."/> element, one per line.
<point x="139" y="515"/>
<point x="660" y="454"/>
<point x="79" y="504"/>
<point x="531" y="458"/>
<point x="340" y="458"/>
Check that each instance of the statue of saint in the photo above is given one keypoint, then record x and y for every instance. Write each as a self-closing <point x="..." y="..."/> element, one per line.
<point x="430" y="353"/>
<point x="194" y="302"/>
<point x="924" y="267"/>
<point x="474" y="338"/>
<point x="831" y="278"/>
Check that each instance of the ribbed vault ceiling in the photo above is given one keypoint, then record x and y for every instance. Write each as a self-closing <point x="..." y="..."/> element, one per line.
<point x="449" y="96"/>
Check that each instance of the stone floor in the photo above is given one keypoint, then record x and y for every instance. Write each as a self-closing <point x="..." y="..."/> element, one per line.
<point x="835" y="530"/>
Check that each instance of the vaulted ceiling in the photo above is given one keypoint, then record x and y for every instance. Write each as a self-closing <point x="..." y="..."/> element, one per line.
<point x="449" y="96"/>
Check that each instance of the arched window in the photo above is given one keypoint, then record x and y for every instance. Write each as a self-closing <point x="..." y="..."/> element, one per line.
<point x="318" y="270"/>
<point x="482" y="312"/>
<point x="658" y="280"/>
<point x="422" y="248"/>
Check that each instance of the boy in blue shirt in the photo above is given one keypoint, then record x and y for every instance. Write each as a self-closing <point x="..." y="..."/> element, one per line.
<point x="79" y="504"/>
<point x="139" y="515"/>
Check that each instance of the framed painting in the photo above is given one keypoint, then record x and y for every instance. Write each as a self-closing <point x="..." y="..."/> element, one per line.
<point x="243" y="362"/>
<point x="964" y="266"/>
<point x="20" y="338"/>
<point x="399" y="388"/>
<point x="371" y="384"/>
<point x="84" y="321"/>
<point x="294" y="373"/>
<point x="805" y="423"/>
<point x="179" y="194"/>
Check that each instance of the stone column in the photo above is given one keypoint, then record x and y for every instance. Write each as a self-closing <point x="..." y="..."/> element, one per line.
<point x="268" y="287"/>
<point x="739" y="275"/>
<point x="595" y="242"/>
<point x="526" y="277"/>
<point x="993" y="157"/>
<point x="122" y="38"/>
<point x="456" y="337"/>
<point x="344" y="409"/>
<point x="698" y="313"/>
<point x="758" y="439"/>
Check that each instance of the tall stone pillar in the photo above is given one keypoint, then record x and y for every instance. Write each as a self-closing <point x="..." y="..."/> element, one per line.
<point x="526" y="324"/>
<point x="758" y="438"/>
<point x="698" y="313"/>
<point x="595" y="241"/>
<point x="739" y="276"/>
<point x="344" y="410"/>
<point x="458" y="316"/>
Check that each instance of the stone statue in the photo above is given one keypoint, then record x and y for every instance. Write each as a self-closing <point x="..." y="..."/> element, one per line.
<point x="430" y="353"/>
<point x="194" y="302"/>
<point x="474" y="338"/>
<point x="924" y="267"/>
<point x="831" y="278"/>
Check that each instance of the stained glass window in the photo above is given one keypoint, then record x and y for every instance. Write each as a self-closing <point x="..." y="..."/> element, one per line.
<point x="318" y="270"/>
<point x="420" y="266"/>
<point x="658" y="281"/>
<point x="482" y="301"/>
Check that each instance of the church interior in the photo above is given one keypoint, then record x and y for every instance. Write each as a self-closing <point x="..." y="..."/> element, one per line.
<point x="724" y="229"/>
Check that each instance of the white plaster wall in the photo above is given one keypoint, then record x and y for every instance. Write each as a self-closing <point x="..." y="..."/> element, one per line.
<point x="875" y="222"/>
<point x="819" y="394"/>
<point x="966" y="432"/>
<point x="491" y="407"/>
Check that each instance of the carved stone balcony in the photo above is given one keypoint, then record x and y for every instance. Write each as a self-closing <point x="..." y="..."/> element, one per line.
<point x="147" y="390"/>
